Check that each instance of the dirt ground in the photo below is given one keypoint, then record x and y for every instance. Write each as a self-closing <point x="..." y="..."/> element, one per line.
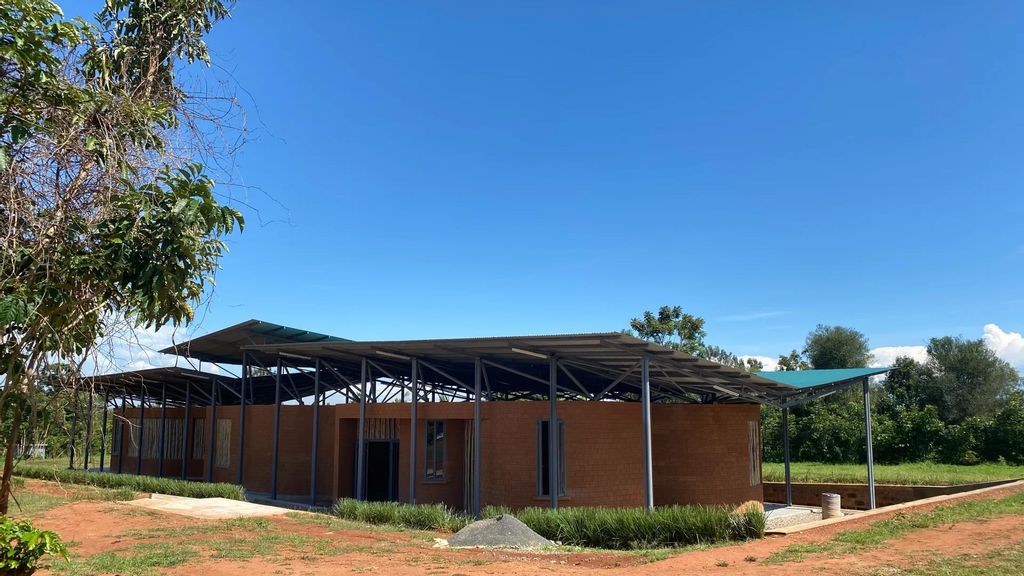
<point x="96" y="527"/>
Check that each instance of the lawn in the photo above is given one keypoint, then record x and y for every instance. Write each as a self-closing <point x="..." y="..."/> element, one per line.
<point x="918" y="473"/>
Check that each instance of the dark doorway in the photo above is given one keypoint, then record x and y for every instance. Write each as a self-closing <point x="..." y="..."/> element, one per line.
<point x="382" y="470"/>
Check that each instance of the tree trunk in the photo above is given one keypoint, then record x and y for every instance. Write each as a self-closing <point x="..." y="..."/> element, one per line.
<point x="12" y="442"/>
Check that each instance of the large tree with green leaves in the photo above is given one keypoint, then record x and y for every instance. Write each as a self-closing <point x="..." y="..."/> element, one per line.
<point x="973" y="381"/>
<point x="673" y="328"/>
<point x="836" y="347"/>
<point x="107" y="211"/>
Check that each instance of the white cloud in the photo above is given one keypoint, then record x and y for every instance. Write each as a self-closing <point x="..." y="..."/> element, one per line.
<point x="132" y="349"/>
<point x="770" y="364"/>
<point x="753" y="316"/>
<point x="1007" y="345"/>
<point x="887" y="355"/>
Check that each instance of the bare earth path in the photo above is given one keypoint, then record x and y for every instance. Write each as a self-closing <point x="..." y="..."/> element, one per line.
<point x="104" y="526"/>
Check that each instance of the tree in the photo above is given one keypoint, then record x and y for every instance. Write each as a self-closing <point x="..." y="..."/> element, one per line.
<point x="673" y="328"/>
<point x="836" y="347"/>
<point x="108" y="213"/>
<point x="971" y="379"/>
<point x="793" y="361"/>
<point x="723" y="356"/>
<point x="910" y="385"/>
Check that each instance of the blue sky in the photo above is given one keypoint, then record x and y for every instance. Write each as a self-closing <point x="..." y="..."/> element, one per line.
<point x="445" y="169"/>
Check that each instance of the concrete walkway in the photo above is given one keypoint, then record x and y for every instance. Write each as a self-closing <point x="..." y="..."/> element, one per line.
<point x="206" y="508"/>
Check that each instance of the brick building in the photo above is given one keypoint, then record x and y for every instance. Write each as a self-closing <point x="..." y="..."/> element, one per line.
<point x="638" y="424"/>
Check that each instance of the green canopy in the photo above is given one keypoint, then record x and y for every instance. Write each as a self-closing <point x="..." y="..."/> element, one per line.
<point x="804" y="379"/>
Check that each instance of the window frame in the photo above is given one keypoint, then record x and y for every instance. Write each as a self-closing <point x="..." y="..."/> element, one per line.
<point x="435" y="452"/>
<point x="543" y="459"/>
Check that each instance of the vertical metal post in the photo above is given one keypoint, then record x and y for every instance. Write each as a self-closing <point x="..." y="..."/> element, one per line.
<point x="645" y="407"/>
<point x="142" y="431"/>
<point x="186" y="436"/>
<point x="870" y="450"/>
<point x="413" y="430"/>
<point x="277" y="431"/>
<point x="553" y="472"/>
<point x="241" y="418"/>
<point x="74" y="431"/>
<point x="163" y="426"/>
<point x="785" y="456"/>
<point x="88" y="432"/>
<point x="120" y="422"/>
<point x="103" y="431"/>
<point x="361" y="437"/>
<point x="316" y="433"/>
<point x="211" y="449"/>
<point x="477" y="371"/>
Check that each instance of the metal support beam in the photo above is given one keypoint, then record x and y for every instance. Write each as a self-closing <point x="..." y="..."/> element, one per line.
<point x="213" y="431"/>
<point x="241" y="418"/>
<point x="553" y="476"/>
<point x="88" y="432"/>
<point x="121" y="446"/>
<point x="277" y="431"/>
<point x="645" y="407"/>
<point x="74" y="431"/>
<point x="413" y="429"/>
<point x="867" y="442"/>
<point x="477" y="377"/>
<point x="142" y="429"/>
<point x="361" y="436"/>
<point x="316" y="433"/>
<point x="163" y="427"/>
<point x="103" y="431"/>
<point x="186" y="436"/>
<point x="785" y="456"/>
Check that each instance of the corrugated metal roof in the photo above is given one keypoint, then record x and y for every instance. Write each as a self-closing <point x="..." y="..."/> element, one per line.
<point x="813" y="378"/>
<point x="224" y="346"/>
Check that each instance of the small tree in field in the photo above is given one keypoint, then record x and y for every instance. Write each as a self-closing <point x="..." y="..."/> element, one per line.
<point x="106" y="211"/>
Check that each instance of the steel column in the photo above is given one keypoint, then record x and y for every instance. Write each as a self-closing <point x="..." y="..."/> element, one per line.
<point x="241" y="418"/>
<point x="645" y="407"/>
<point x="142" y="430"/>
<point x="74" y="432"/>
<point x="316" y="433"/>
<point x="88" y="433"/>
<point x="361" y="436"/>
<point x="785" y="456"/>
<point x="477" y="376"/>
<point x="277" y="431"/>
<point x="210" y="452"/>
<point x="867" y="441"/>
<point x="553" y="476"/>
<point x="103" y="431"/>
<point x="163" y="426"/>
<point x="413" y="431"/>
<point x="186" y="436"/>
<point x="121" y="446"/>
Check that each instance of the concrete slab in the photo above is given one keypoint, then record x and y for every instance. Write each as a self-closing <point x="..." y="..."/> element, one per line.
<point x="206" y="508"/>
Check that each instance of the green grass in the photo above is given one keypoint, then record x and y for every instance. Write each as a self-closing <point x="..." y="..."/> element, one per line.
<point x="132" y="482"/>
<point x="417" y="517"/>
<point x="141" y="560"/>
<point x="29" y="503"/>
<point x="916" y="473"/>
<point x="878" y="533"/>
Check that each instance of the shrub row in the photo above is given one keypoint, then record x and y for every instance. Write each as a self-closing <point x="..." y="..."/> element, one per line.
<point x="418" y="516"/>
<point x="152" y="484"/>
<point x="633" y="528"/>
<point x="614" y="528"/>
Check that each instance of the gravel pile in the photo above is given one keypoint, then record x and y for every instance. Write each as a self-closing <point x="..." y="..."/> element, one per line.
<point x="505" y="531"/>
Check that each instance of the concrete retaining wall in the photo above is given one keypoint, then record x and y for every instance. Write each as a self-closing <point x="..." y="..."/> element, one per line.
<point x="855" y="496"/>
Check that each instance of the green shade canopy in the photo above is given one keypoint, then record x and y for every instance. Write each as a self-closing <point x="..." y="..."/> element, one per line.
<point x="804" y="379"/>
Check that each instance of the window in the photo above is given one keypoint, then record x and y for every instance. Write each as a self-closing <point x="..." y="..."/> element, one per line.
<point x="754" y="448"/>
<point x="115" y="448"/>
<point x="543" y="459"/>
<point x="222" y="450"/>
<point x="198" y="438"/>
<point x="435" y="451"/>
<point x="172" y="443"/>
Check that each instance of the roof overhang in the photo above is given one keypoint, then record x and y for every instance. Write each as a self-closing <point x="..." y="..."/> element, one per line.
<point x="224" y="346"/>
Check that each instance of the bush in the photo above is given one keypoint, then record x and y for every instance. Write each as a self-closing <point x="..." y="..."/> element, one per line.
<point x="134" y="483"/>
<point x="631" y="528"/>
<point x="964" y="443"/>
<point x="417" y="516"/>
<point x="22" y="546"/>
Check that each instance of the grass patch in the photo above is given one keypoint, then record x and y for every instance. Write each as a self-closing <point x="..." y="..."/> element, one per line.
<point x="418" y="516"/>
<point x="140" y="560"/>
<point x="997" y="562"/>
<point x="132" y="482"/>
<point x="878" y="533"/>
<point x="915" y="473"/>
<point x="29" y="503"/>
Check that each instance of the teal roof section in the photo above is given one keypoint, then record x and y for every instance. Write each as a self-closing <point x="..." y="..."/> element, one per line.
<point x="804" y="379"/>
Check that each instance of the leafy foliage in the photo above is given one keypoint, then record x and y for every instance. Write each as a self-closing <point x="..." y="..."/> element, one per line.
<point x="673" y="328"/>
<point x="22" y="546"/>
<point x="836" y="347"/>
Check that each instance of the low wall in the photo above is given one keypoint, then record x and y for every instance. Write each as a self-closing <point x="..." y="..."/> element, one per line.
<point x="855" y="496"/>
